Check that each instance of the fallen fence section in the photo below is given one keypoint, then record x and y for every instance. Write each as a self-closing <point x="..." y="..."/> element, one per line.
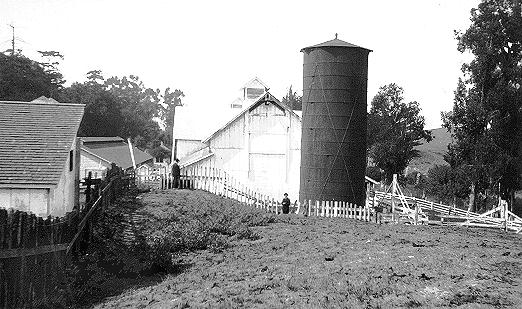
<point x="499" y="217"/>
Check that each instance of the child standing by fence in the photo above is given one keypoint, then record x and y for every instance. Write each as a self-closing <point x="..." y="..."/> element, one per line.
<point x="286" y="204"/>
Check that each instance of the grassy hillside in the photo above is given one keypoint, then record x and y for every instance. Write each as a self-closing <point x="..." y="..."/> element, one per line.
<point x="300" y="262"/>
<point x="432" y="153"/>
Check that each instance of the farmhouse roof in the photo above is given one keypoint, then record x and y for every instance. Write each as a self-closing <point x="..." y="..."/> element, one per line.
<point x="113" y="149"/>
<point x="266" y="97"/>
<point x="35" y="139"/>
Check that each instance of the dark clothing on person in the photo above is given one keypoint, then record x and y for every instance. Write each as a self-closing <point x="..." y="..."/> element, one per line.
<point x="175" y="175"/>
<point x="286" y="205"/>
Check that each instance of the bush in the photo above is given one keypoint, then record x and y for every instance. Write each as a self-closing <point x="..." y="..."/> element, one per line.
<point x="181" y="227"/>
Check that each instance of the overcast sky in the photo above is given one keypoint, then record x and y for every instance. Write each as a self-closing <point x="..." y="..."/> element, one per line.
<point x="209" y="49"/>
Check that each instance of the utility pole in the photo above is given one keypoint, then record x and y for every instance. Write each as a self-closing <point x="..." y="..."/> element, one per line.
<point x="12" y="40"/>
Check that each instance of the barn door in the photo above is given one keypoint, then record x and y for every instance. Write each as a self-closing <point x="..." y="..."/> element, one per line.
<point x="267" y="172"/>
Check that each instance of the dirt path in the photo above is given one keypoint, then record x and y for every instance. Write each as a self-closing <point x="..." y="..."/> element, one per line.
<point x="340" y="263"/>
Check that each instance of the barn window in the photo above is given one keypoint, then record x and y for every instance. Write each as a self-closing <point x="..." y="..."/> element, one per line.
<point x="71" y="160"/>
<point x="253" y="93"/>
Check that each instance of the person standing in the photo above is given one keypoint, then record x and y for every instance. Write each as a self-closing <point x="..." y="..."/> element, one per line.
<point x="286" y="204"/>
<point x="175" y="174"/>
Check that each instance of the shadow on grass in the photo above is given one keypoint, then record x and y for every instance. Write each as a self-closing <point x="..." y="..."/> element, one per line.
<point x="94" y="284"/>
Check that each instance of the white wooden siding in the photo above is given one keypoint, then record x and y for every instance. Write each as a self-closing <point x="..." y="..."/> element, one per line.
<point x="26" y="199"/>
<point x="260" y="149"/>
<point x="91" y="163"/>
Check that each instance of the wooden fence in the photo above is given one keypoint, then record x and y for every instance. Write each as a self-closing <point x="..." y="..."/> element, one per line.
<point x="500" y="217"/>
<point x="34" y="251"/>
<point x="223" y="184"/>
<point x="409" y="209"/>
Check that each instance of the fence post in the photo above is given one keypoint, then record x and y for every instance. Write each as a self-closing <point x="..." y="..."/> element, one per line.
<point x="193" y="178"/>
<point x="223" y="177"/>
<point x="329" y="209"/>
<point x="506" y="216"/>
<point x="416" y="218"/>
<point x="214" y="179"/>
<point x="211" y="183"/>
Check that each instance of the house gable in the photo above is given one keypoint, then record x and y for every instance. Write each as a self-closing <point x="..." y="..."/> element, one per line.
<point x="35" y="141"/>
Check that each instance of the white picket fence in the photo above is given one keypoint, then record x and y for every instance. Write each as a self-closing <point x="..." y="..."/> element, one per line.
<point x="408" y="209"/>
<point x="223" y="184"/>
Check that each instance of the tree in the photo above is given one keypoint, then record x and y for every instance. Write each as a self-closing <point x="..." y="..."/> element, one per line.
<point x="394" y="129"/>
<point x="102" y="116"/>
<point x="23" y="79"/>
<point x="446" y="183"/>
<point x="486" y="119"/>
<point x="121" y="107"/>
<point x="293" y="100"/>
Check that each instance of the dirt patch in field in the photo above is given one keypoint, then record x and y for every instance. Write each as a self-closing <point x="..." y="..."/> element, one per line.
<point x="339" y="263"/>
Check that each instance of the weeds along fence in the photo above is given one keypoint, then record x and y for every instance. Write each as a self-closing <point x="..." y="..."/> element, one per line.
<point x="34" y="251"/>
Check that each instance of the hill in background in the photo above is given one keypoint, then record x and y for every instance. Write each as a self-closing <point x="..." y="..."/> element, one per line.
<point x="432" y="153"/>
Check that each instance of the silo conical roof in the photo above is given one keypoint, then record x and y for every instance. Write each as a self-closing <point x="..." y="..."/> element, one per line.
<point x="334" y="43"/>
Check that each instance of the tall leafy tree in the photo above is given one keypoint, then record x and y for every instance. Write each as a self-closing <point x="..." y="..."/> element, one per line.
<point x="23" y="79"/>
<point x="120" y="106"/>
<point x="486" y="119"/>
<point x="395" y="127"/>
<point x="293" y="100"/>
<point x="102" y="115"/>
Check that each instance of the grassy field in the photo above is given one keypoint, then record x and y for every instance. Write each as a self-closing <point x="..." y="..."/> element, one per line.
<point x="297" y="262"/>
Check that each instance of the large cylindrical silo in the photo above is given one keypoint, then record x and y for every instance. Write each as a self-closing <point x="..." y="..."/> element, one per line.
<point x="333" y="140"/>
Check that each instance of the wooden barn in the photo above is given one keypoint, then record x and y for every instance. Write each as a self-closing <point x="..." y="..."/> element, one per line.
<point x="260" y="147"/>
<point x="39" y="156"/>
<point x="98" y="153"/>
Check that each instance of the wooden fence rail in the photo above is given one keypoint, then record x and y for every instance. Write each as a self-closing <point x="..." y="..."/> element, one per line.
<point x="34" y="251"/>
<point x="505" y="219"/>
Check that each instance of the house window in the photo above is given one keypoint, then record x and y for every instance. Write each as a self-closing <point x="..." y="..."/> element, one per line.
<point x="159" y="159"/>
<point x="71" y="160"/>
<point x="253" y="93"/>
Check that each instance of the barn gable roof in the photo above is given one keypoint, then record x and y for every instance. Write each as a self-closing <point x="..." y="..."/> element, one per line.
<point x="266" y="97"/>
<point x="35" y="139"/>
<point x="114" y="150"/>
